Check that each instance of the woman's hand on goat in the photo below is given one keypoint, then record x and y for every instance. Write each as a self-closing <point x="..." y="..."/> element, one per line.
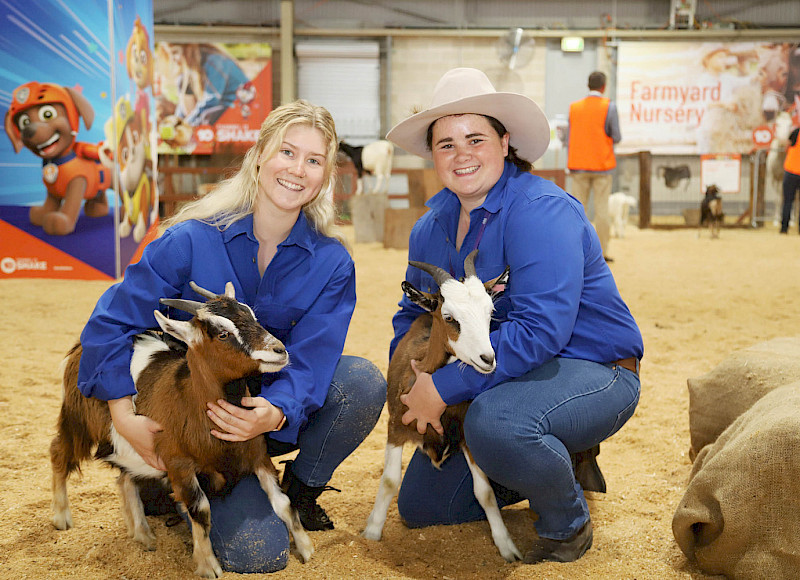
<point x="237" y="424"/>
<point x="424" y="403"/>
<point x="137" y="430"/>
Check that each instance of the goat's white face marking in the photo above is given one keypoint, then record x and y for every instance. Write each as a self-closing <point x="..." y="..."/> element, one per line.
<point x="270" y="360"/>
<point x="470" y="305"/>
<point x="220" y="322"/>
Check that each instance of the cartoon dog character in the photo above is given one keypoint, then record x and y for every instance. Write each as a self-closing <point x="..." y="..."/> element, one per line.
<point x="139" y="64"/>
<point x="130" y="147"/>
<point x="44" y="118"/>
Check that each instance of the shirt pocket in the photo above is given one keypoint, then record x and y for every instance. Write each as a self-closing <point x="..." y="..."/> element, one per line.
<point x="279" y="319"/>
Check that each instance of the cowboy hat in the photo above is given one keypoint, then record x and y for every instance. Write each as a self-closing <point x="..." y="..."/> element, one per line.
<point x="468" y="90"/>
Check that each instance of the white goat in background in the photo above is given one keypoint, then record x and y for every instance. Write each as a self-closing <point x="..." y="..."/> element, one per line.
<point x="376" y="159"/>
<point x="619" y="207"/>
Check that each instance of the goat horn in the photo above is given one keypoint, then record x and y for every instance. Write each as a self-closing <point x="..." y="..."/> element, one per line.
<point x="189" y="306"/>
<point x="469" y="264"/>
<point x="202" y="291"/>
<point x="440" y="276"/>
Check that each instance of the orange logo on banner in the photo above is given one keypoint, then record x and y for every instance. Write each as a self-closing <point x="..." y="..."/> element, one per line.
<point x="762" y="136"/>
<point x="25" y="256"/>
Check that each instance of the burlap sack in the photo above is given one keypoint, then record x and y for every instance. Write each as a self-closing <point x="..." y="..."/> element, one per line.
<point x="717" y="398"/>
<point x="740" y="514"/>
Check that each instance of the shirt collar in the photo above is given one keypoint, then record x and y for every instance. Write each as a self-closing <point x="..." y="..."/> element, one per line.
<point x="595" y="94"/>
<point x="302" y="233"/>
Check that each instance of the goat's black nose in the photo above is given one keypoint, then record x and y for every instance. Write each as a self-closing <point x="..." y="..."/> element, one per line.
<point x="488" y="358"/>
<point x="279" y="349"/>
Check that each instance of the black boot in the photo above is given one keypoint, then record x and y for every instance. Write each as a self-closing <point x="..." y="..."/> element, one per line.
<point x="304" y="500"/>
<point x="569" y="550"/>
<point x="587" y="472"/>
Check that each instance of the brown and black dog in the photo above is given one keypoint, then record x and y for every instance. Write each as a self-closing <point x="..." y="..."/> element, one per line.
<point x="44" y="118"/>
<point x="711" y="211"/>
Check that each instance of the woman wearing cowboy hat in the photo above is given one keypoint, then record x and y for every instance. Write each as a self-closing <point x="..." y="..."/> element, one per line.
<point x="567" y="347"/>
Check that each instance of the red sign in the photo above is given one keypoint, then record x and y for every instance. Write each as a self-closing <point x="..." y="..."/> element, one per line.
<point x="762" y="136"/>
<point x="211" y="97"/>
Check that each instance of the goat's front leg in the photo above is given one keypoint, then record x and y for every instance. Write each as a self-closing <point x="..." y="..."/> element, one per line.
<point x="188" y="492"/>
<point x="390" y="483"/>
<point x="133" y="512"/>
<point x="485" y="495"/>
<point x="284" y="510"/>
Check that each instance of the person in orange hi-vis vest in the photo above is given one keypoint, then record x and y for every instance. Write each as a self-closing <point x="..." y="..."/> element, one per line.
<point x="593" y="131"/>
<point x="791" y="179"/>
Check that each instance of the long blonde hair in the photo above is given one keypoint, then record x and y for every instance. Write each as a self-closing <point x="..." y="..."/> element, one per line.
<point x="235" y="197"/>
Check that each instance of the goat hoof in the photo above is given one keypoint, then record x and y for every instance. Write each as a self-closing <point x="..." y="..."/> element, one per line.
<point x="209" y="569"/>
<point x="371" y="534"/>
<point x="507" y="548"/>
<point x="305" y="548"/>
<point x="62" y="521"/>
<point x="147" y="539"/>
<point x="512" y="554"/>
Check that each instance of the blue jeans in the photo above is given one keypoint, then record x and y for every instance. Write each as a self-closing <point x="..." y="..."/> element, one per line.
<point x="246" y="534"/>
<point x="521" y="433"/>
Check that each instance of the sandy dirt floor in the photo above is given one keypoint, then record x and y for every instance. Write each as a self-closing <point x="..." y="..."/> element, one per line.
<point x="695" y="299"/>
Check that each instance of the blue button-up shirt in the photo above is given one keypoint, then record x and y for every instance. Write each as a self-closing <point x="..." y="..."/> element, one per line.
<point x="561" y="299"/>
<point x="305" y="298"/>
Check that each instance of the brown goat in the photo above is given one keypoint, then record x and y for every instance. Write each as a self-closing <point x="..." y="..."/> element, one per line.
<point x="455" y="326"/>
<point x="224" y="342"/>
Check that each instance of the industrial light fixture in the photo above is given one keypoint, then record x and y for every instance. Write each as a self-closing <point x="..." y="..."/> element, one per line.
<point x="572" y="44"/>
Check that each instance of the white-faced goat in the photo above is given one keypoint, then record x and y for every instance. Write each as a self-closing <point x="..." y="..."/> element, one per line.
<point x="455" y="326"/>
<point x="224" y="342"/>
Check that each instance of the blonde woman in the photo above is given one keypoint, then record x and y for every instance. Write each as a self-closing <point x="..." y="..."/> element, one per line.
<point x="270" y="230"/>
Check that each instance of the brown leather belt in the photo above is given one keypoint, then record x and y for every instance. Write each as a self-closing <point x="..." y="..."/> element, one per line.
<point x="632" y="364"/>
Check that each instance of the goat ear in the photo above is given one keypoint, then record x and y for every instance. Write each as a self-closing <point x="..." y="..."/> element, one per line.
<point x="180" y="329"/>
<point x="424" y="300"/>
<point x="498" y="285"/>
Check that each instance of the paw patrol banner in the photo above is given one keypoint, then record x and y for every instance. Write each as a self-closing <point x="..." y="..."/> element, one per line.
<point x="211" y="98"/>
<point x="78" y="196"/>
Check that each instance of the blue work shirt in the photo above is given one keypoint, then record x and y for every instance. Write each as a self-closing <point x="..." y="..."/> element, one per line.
<point x="561" y="299"/>
<point x="305" y="299"/>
